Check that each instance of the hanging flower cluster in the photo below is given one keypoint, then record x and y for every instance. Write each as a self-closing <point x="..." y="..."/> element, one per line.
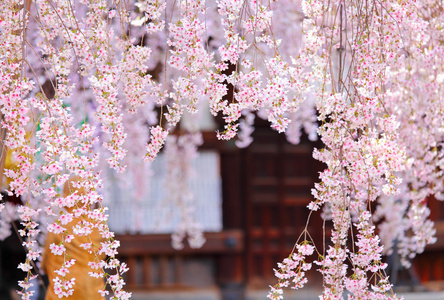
<point x="180" y="152"/>
<point x="364" y="149"/>
<point x="292" y="268"/>
<point x="416" y="101"/>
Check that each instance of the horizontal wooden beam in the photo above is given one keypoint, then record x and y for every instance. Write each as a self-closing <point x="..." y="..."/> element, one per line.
<point x="225" y="242"/>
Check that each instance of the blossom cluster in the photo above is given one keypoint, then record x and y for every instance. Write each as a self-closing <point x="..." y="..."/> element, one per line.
<point x="292" y="268"/>
<point x="364" y="149"/>
<point x="415" y="94"/>
<point x="180" y="152"/>
<point x="58" y="149"/>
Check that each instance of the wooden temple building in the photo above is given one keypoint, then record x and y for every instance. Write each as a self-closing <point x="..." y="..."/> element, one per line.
<point x="265" y="191"/>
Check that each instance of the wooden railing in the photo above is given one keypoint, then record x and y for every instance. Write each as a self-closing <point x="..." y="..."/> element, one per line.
<point x="154" y="264"/>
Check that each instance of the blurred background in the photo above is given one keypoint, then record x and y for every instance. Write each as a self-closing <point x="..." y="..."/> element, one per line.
<point x="250" y="205"/>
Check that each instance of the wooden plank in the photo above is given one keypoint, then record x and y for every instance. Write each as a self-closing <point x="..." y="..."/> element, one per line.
<point x="147" y="267"/>
<point x="132" y="272"/>
<point x="232" y="205"/>
<point x="438" y="264"/>
<point x="254" y="233"/>
<point x="227" y="241"/>
<point x="264" y="181"/>
<point x="249" y="213"/>
<point x="163" y="270"/>
<point x="298" y="181"/>
<point x="178" y="270"/>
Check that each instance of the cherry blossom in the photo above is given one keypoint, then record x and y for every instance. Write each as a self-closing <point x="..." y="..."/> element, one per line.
<point x="93" y="83"/>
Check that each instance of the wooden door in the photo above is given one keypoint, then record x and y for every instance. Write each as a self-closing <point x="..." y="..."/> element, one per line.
<point x="279" y="178"/>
